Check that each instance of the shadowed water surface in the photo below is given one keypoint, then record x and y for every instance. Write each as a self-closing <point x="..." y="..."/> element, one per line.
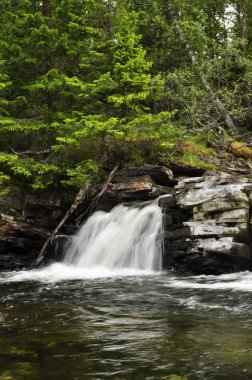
<point x="124" y="326"/>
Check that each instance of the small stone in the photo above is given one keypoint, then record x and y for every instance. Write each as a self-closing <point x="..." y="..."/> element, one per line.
<point x="220" y="205"/>
<point x="166" y="201"/>
<point x="225" y="247"/>
<point x="177" y="234"/>
<point x="199" y="229"/>
<point x="233" y="216"/>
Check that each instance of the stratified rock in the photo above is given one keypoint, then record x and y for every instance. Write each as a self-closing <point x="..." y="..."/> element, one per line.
<point x="209" y="229"/>
<point x="142" y="183"/>
<point x="25" y="224"/>
<point x="225" y="246"/>
<point x="207" y="220"/>
<point x="160" y="175"/>
<point x="211" y="193"/>
<point x="240" y="215"/>
<point x="26" y="221"/>
<point x="216" y="236"/>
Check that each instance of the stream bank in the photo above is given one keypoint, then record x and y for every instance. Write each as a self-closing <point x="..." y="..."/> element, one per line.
<point x="206" y="218"/>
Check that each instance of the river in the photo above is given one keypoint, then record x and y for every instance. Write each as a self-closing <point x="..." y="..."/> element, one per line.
<point x="64" y="323"/>
<point x="109" y="312"/>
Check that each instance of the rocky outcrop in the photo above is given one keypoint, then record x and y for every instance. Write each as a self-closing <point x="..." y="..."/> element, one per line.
<point x="141" y="183"/>
<point x="207" y="219"/>
<point x="27" y="221"/>
<point x="207" y="224"/>
<point x="25" y="224"/>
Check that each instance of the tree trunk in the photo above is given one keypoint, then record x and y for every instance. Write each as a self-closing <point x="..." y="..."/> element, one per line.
<point x="193" y="57"/>
<point x="242" y="15"/>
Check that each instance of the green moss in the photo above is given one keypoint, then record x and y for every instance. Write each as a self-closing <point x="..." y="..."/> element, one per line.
<point x="194" y="161"/>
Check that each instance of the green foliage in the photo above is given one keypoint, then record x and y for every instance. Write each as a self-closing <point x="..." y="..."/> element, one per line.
<point x="85" y="84"/>
<point x="4" y="183"/>
<point x="39" y="175"/>
<point x="193" y="160"/>
<point x="83" y="174"/>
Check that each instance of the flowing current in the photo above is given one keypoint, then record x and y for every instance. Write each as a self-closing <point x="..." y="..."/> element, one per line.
<point x="125" y="238"/>
<point x="107" y="312"/>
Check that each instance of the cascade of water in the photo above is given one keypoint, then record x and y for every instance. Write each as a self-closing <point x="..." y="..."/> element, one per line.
<point x="126" y="237"/>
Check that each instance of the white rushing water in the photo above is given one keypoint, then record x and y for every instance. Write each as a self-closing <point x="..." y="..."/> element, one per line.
<point x="124" y="238"/>
<point x="123" y="242"/>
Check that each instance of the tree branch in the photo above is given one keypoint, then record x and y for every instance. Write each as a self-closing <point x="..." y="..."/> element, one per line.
<point x="194" y="59"/>
<point x="98" y="196"/>
<point x="31" y="152"/>
<point x="78" y="199"/>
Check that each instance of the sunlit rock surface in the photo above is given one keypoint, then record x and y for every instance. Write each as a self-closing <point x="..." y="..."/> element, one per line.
<point x="207" y="224"/>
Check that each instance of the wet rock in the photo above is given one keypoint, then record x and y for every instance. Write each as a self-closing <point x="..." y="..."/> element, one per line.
<point x="166" y="200"/>
<point x="57" y="249"/>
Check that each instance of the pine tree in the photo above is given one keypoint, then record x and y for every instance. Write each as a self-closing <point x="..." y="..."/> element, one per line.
<point x="124" y="92"/>
<point x="86" y="83"/>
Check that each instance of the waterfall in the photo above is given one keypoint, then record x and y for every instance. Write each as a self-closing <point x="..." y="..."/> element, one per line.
<point x="128" y="237"/>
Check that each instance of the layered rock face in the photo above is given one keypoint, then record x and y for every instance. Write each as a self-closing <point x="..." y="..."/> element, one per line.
<point x="141" y="183"/>
<point x="208" y="224"/>
<point x="27" y="221"/>
<point x="25" y="224"/>
<point x="207" y="219"/>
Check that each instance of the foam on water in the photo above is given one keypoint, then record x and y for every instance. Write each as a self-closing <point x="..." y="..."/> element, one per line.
<point x="61" y="272"/>
<point x="125" y="242"/>
<point x="241" y="281"/>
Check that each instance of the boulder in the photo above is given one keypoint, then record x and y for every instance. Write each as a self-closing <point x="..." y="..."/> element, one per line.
<point x="160" y="175"/>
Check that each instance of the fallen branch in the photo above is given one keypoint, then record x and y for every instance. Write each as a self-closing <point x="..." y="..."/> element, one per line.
<point x="98" y="196"/>
<point x="78" y="199"/>
<point x="31" y="152"/>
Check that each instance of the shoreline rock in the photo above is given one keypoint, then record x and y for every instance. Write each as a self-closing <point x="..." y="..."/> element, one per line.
<point x="214" y="232"/>
<point x="207" y="219"/>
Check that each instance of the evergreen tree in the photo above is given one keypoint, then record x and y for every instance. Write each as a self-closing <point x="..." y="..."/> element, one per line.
<point x="86" y="83"/>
